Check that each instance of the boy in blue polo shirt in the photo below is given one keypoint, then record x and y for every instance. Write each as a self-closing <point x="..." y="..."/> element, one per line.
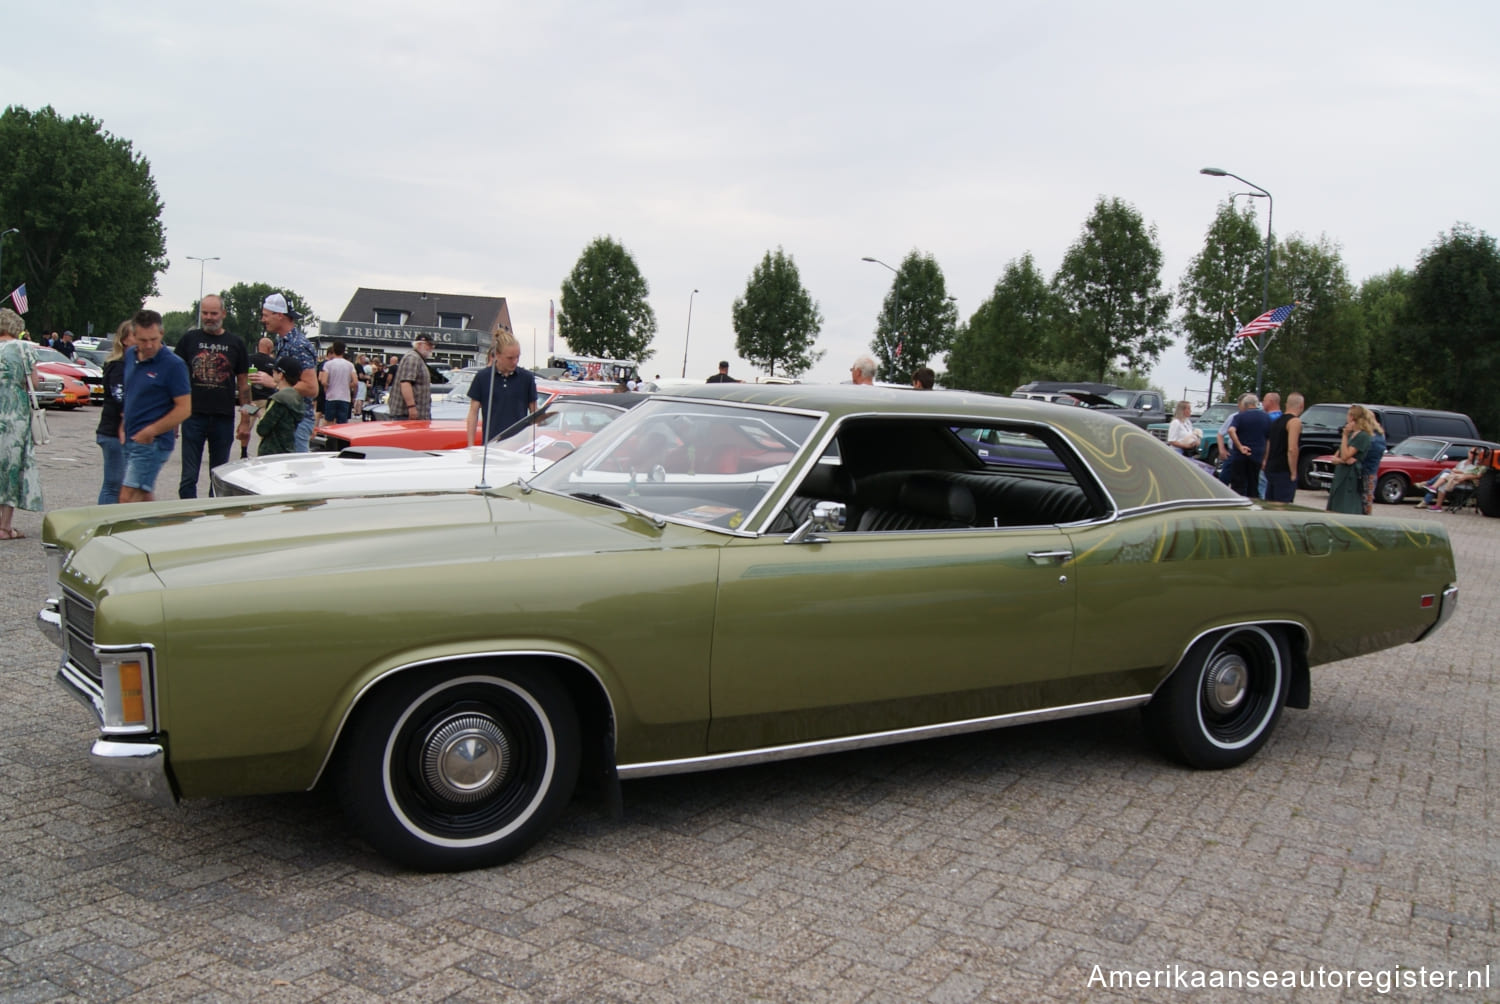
<point x="158" y="398"/>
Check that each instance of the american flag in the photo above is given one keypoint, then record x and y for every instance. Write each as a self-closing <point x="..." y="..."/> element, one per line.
<point x="1269" y="321"/>
<point x="18" y="297"/>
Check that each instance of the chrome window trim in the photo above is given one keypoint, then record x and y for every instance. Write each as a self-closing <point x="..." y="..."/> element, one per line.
<point x="791" y="751"/>
<point x="954" y="418"/>
<point x="364" y="691"/>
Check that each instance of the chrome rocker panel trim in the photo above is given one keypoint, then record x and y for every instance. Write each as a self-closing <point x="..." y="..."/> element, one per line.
<point x="770" y="754"/>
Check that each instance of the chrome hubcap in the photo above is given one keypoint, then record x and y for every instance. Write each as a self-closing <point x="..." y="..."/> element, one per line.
<point x="466" y="758"/>
<point x="1226" y="683"/>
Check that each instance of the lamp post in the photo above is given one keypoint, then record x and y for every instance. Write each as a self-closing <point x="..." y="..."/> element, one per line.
<point x="1265" y="295"/>
<point x="688" y="336"/>
<point x="202" y="264"/>
<point x="895" y="300"/>
<point x="7" y="233"/>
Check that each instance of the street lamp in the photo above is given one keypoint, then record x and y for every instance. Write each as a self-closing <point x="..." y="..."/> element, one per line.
<point x="687" y="337"/>
<point x="1265" y="295"/>
<point x="12" y="230"/>
<point x="202" y="264"/>
<point x="895" y="300"/>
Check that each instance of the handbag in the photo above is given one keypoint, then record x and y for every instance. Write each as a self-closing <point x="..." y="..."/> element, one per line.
<point x="40" y="434"/>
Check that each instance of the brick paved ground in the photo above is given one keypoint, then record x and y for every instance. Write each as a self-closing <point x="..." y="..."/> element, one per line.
<point x="990" y="867"/>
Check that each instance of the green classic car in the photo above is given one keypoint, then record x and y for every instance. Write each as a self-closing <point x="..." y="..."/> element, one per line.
<point x="736" y="574"/>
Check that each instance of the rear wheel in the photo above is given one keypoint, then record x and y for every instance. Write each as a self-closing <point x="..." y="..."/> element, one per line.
<point x="444" y="772"/>
<point x="1304" y="473"/>
<point x="1391" y="489"/>
<point x="1221" y="703"/>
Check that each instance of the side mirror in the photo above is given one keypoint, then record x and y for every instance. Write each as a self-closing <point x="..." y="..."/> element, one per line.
<point x="825" y="516"/>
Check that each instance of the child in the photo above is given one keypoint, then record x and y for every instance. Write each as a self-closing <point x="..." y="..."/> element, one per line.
<point x="278" y="425"/>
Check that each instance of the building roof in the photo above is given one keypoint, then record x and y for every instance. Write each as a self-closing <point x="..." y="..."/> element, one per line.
<point x="422" y="308"/>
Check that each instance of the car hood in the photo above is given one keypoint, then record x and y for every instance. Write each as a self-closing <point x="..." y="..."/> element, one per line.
<point x="375" y="469"/>
<point x="192" y="546"/>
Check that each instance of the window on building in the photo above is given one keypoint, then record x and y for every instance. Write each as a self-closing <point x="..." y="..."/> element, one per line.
<point x="452" y="320"/>
<point x="390" y="316"/>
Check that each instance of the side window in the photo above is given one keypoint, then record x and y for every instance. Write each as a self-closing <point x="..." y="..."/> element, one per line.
<point x="904" y="475"/>
<point x="1397" y="426"/>
<point x="1441" y="425"/>
<point x="1457" y="452"/>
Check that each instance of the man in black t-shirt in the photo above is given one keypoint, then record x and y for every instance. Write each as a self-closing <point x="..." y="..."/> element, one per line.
<point x="219" y="369"/>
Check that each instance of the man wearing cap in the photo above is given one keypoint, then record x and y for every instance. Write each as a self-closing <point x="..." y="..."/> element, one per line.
<point x="723" y="375"/>
<point x="411" y="394"/>
<point x="219" y="368"/>
<point x="280" y="322"/>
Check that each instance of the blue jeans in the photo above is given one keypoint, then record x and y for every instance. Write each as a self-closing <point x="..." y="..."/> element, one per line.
<point x="218" y="432"/>
<point x="1279" y="487"/>
<point x="336" y="412"/>
<point x="143" y="462"/>
<point x="303" y="433"/>
<point x="114" y="468"/>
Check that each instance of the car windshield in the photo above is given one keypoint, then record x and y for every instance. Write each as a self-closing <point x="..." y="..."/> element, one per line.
<point x="1426" y="449"/>
<point x="1121" y="398"/>
<point x="557" y="430"/>
<point x="695" y="461"/>
<point x="1215" y="414"/>
<point x="1326" y="416"/>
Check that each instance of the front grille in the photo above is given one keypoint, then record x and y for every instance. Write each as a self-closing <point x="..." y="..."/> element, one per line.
<point x="78" y="632"/>
<point x="1159" y="434"/>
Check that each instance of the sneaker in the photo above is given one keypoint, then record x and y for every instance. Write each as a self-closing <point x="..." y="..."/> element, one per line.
<point x="1433" y="508"/>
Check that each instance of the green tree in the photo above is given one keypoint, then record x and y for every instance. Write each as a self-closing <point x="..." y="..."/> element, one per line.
<point x="91" y="240"/>
<point x="917" y="321"/>
<point x="242" y="309"/>
<point x="1323" y="349"/>
<point x="603" y="305"/>
<point x="1109" y="285"/>
<point x="176" y="323"/>
<point x="776" y="321"/>
<point x="1008" y="340"/>
<point x="1449" y="339"/>
<point x="1382" y="301"/>
<point x="1222" y="288"/>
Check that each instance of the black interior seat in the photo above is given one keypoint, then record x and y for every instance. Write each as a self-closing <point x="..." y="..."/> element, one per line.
<point x="923" y="503"/>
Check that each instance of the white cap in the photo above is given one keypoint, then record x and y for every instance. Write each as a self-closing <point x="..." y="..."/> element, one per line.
<point x="276" y="304"/>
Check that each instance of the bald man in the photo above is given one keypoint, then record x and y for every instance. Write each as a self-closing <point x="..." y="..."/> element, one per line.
<point x="219" y="369"/>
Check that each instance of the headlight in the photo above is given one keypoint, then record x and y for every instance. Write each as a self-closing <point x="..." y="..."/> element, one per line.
<point x="128" y="677"/>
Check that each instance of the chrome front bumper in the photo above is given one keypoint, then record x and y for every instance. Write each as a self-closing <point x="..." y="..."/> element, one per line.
<point x="137" y="766"/>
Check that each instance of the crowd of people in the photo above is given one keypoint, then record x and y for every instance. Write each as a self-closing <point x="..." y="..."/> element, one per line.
<point x="283" y="391"/>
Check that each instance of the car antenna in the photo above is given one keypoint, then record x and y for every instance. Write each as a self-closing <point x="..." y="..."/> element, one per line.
<point x="493" y="362"/>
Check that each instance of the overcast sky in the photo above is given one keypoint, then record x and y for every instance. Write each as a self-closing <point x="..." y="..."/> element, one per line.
<point x="477" y="147"/>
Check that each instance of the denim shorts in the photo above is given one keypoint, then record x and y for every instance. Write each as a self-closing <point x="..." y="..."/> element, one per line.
<point x="143" y="461"/>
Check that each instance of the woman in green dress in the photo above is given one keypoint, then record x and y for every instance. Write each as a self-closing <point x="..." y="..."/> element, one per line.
<point x="1347" y="492"/>
<point x="20" y="477"/>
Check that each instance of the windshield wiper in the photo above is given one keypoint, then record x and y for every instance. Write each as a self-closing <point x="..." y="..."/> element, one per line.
<point x="608" y="500"/>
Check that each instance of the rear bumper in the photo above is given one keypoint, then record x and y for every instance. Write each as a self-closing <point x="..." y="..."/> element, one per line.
<point x="1448" y="606"/>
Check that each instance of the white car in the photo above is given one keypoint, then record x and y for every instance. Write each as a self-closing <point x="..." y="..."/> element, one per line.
<point x="552" y="433"/>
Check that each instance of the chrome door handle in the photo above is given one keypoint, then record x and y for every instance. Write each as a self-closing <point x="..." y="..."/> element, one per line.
<point x="1049" y="557"/>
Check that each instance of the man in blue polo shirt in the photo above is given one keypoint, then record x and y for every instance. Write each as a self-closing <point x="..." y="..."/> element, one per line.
<point x="503" y="393"/>
<point x="158" y="398"/>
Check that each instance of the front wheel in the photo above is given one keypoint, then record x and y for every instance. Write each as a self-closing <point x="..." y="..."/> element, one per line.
<point x="1391" y="489"/>
<point x="1221" y="703"/>
<point x="1304" y="474"/>
<point x="446" y="772"/>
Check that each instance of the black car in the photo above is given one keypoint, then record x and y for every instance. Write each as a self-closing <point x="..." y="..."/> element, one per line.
<point x="1323" y="424"/>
